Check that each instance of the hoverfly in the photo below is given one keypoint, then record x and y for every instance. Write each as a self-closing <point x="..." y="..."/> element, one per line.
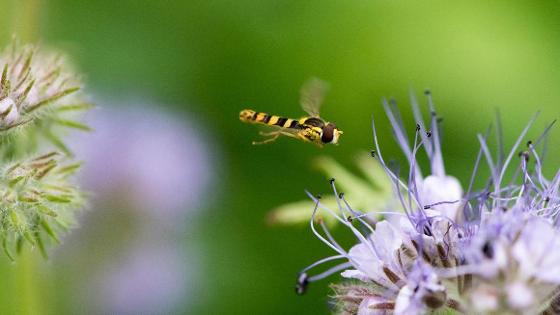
<point x="311" y="128"/>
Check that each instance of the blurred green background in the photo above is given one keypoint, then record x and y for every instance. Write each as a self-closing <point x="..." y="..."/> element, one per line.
<point x="211" y="59"/>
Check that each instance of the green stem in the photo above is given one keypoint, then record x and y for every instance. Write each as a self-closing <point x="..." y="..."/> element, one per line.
<point x="26" y="284"/>
<point x="26" y="280"/>
<point x="26" y="19"/>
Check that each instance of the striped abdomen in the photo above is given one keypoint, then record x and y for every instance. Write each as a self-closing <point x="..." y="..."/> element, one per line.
<point x="251" y="116"/>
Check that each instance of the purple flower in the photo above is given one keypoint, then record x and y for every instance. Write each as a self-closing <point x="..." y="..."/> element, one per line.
<point x="148" y="158"/>
<point x="493" y="249"/>
<point x="150" y="169"/>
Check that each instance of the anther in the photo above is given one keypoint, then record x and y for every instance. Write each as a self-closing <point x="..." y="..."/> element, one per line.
<point x="341" y="195"/>
<point x="427" y="92"/>
<point x="349" y="218"/>
<point x="428" y="134"/>
<point x="391" y="275"/>
<point x="331" y="180"/>
<point x="427" y="231"/>
<point x="301" y="285"/>
<point x="439" y="120"/>
<point x="318" y="196"/>
<point x="392" y="101"/>
<point x="372" y="153"/>
<point x="529" y="143"/>
<point x="488" y="250"/>
<point x="417" y="127"/>
<point x="426" y="207"/>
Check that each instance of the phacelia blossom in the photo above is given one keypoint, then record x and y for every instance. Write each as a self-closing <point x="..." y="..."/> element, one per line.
<point x="447" y="248"/>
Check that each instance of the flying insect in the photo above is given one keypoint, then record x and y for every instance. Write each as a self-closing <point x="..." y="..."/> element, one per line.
<point x="312" y="128"/>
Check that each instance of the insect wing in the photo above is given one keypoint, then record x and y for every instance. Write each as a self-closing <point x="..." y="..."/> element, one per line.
<point x="312" y="95"/>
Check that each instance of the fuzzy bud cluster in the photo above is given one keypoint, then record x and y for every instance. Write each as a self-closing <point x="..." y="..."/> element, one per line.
<point x="39" y="98"/>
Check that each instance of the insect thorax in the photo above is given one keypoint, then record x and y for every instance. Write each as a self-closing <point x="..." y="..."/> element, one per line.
<point x="314" y="121"/>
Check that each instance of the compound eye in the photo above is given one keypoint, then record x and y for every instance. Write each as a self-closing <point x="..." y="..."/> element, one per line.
<point x="328" y="133"/>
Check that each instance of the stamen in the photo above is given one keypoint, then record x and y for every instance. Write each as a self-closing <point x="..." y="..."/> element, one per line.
<point x="440" y="203"/>
<point x="488" y="156"/>
<point x="337" y="199"/>
<point x="319" y="236"/>
<point x="499" y="140"/>
<point x="360" y="237"/>
<point x="538" y="169"/>
<point x="412" y="179"/>
<point x="474" y="172"/>
<point x="396" y="180"/>
<point x="513" y="149"/>
<point x="356" y="215"/>
<point x="329" y="272"/>
<point x="301" y="285"/>
<point x="420" y="121"/>
<point x="329" y="236"/>
<point x="544" y="137"/>
<point x="400" y="134"/>
<point x="438" y="167"/>
<point x="322" y="261"/>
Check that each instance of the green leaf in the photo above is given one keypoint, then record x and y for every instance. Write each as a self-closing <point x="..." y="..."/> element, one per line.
<point x="16" y="222"/>
<point x="46" y="226"/>
<point x="300" y="213"/>
<point x="41" y="245"/>
<point x="345" y="180"/>
<point x="29" y="237"/>
<point x="58" y="199"/>
<point x="74" y="107"/>
<point x="46" y="211"/>
<point x="360" y="194"/>
<point x="51" y="99"/>
<point x="69" y="169"/>
<point x="16" y="180"/>
<point x="6" y="249"/>
<point x="19" y="244"/>
<point x="375" y="173"/>
<point x="72" y="124"/>
<point x="57" y="142"/>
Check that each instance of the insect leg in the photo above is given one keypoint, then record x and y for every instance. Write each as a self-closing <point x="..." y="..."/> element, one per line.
<point x="268" y="134"/>
<point x="269" y="140"/>
<point x="273" y="136"/>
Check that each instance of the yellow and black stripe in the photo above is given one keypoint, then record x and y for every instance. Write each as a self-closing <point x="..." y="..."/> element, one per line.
<point x="251" y="116"/>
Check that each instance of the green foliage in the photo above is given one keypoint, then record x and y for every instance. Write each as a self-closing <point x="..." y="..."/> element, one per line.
<point x="368" y="195"/>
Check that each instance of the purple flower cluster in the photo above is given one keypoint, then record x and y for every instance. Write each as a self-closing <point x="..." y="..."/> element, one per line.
<point x="442" y="248"/>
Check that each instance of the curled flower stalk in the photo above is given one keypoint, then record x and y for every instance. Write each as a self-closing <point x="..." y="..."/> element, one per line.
<point x="39" y="98"/>
<point x="444" y="248"/>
